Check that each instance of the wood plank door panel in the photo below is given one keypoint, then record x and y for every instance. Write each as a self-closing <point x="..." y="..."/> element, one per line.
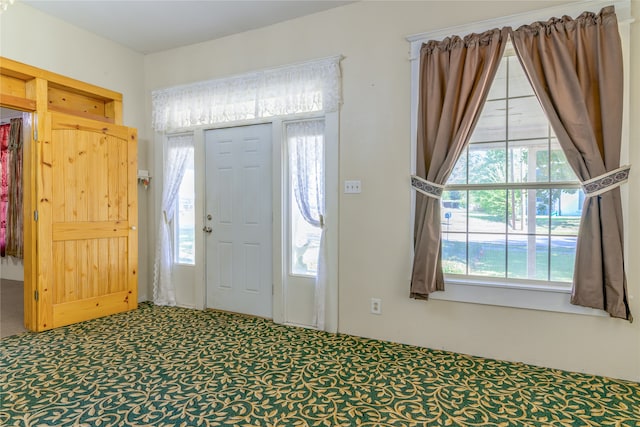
<point x="87" y="221"/>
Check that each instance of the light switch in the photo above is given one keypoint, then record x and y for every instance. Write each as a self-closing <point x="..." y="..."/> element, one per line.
<point x="352" y="187"/>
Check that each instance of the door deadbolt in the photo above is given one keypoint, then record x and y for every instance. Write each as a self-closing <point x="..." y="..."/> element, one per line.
<point x="209" y="217"/>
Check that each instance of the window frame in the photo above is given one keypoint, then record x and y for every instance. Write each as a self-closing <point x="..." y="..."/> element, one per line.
<point x="512" y="292"/>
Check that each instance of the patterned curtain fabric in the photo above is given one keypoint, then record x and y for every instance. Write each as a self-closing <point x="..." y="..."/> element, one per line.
<point x="179" y="151"/>
<point x="14" y="236"/>
<point x="306" y="149"/>
<point x="306" y="160"/>
<point x="4" y="185"/>
<point x="575" y="68"/>
<point x="302" y="88"/>
<point x="455" y="78"/>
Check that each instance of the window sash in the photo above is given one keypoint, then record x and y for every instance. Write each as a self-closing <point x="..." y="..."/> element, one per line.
<point x="508" y="274"/>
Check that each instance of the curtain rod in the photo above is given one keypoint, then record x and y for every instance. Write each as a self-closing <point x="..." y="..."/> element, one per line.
<point x="8" y="120"/>
<point x="524" y="18"/>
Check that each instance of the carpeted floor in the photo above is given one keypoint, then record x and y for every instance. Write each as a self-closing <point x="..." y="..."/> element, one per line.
<point x="160" y="366"/>
<point x="11" y="307"/>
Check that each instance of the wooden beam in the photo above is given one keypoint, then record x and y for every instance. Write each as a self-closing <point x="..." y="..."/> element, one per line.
<point x="17" y="69"/>
<point x="17" y="103"/>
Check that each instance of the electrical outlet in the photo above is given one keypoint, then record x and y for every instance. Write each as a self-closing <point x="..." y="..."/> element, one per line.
<point x="376" y="306"/>
<point x="352" y="187"/>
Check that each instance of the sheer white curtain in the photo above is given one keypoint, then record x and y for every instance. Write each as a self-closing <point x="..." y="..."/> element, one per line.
<point x="179" y="153"/>
<point x="306" y="159"/>
<point x="294" y="89"/>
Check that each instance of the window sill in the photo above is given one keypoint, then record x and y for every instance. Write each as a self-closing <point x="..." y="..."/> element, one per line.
<point x="529" y="297"/>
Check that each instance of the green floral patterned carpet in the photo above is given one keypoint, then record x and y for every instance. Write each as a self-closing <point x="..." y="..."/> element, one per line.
<point x="160" y="366"/>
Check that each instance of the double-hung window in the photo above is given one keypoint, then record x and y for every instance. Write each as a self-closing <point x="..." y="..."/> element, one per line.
<point x="511" y="207"/>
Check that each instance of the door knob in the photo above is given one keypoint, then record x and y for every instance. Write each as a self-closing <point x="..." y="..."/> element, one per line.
<point x="207" y="229"/>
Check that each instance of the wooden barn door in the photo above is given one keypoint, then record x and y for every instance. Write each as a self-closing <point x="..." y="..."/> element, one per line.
<point x="87" y="220"/>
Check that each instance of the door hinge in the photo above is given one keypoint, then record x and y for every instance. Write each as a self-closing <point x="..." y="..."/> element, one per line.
<point x="35" y="126"/>
<point x="36" y="295"/>
<point x="35" y="216"/>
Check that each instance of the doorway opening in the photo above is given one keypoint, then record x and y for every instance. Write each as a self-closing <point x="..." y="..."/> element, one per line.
<point x="14" y="125"/>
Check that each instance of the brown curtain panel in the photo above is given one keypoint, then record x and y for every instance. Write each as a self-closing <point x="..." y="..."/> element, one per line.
<point x="455" y="78"/>
<point x="575" y="68"/>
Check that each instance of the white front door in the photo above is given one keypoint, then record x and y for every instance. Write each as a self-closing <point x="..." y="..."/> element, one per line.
<point x="238" y="219"/>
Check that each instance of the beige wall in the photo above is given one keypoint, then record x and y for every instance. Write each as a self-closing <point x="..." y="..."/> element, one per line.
<point x="31" y="37"/>
<point x="374" y="147"/>
<point x="11" y="268"/>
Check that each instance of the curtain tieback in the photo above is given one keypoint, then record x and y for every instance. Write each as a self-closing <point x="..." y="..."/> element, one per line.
<point x="427" y="188"/>
<point x="606" y="182"/>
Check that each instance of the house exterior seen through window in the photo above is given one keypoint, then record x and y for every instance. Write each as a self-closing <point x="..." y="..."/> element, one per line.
<point x="511" y="208"/>
<point x="305" y="150"/>
<point x="185" y="218"/>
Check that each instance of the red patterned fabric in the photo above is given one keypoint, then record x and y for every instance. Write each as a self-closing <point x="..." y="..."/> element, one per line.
<point x="14" y="240"/>
<point x="4" y="185"/>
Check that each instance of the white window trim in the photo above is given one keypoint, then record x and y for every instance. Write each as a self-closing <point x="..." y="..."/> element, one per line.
<point x="504" y="292"/>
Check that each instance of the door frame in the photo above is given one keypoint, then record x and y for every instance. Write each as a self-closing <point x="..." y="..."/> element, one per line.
<point x="197" y="274"/>
<point x="27" y="88"/>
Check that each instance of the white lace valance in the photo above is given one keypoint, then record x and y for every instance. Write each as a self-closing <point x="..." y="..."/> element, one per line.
<point x="308" y="87"/>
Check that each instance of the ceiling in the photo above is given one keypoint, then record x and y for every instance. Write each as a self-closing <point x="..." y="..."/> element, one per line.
<point x="148" y="26"/>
